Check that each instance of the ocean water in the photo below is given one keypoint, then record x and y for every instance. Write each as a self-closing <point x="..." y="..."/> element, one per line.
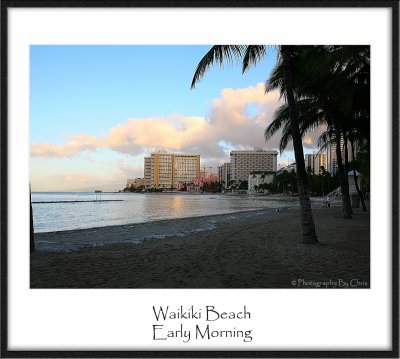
<point x="137" y="208"/>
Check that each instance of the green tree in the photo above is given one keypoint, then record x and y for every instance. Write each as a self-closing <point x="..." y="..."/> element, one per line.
<point x="243" y="185"/>
<point x="250" y="55"/>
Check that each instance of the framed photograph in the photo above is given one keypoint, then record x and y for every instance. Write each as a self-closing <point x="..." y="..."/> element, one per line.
<point x="164" y="195"/>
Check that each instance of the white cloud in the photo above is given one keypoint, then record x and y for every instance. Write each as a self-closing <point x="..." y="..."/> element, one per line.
<point x="228" y="122"/>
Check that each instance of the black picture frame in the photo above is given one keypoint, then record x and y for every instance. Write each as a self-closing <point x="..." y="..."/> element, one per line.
<point x="7" y="4"/>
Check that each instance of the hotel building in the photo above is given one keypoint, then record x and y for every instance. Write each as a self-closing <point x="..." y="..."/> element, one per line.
<point x="147" y="171"/>
<point x="315" y="161"/>
<point x="331" y="158"/>
<point x="319" y="161"/>
<point x="244" y="162"/>
<point x="332" y="163"/>
<point x="166" y="170"/>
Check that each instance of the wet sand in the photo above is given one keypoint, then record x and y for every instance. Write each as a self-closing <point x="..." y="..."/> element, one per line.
<point x="242" y="250"/>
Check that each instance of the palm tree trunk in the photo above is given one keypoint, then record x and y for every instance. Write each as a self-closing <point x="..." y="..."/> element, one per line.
<point x="32" y="235"/>
<point x="307" y="220"/>
<point x="346" y="166"/>
<point x="364" y="207"/>
<point x="345" y="190"/>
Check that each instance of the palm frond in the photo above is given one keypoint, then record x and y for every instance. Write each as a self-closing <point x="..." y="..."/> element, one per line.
<point x="286" y="137"/>
<point x="326" y="138"/>
<point x="310" y="116"/>
<point x="252" y="55"/>
<point x="281" y="116"/>
<point x="276" y="82"/>
<point x="217" y="54"/>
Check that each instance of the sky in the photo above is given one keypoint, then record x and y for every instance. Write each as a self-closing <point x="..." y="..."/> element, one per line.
<point x="97" y="111"/>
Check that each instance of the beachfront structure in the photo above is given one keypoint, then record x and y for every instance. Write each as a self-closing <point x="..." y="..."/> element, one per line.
<point x="352" y="185"/>
<point x="196" y="184"/>
<point x="147" y="171"/>
<point x="355" y="199"/>
<point x="244" y="162"/>
<point x="315" y="161"/>
<point x="137" y="182"/>
<point x="257" y="178"/>
<point x="166" y="170"/>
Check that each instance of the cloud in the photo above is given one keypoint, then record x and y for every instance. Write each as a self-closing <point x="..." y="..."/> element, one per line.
<point x="237" y="118"/>
<point x="68" y="149"/>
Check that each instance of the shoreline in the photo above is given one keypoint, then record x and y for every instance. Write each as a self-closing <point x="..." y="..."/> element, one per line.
<point x="61" y="215"/>
<point x="316" y="202"/>
<point x="141" y="231"/>
<point x="247" y="250"/>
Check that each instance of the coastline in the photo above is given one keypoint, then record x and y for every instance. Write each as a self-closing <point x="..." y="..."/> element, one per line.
<point x="59" y="214"/>
<point x="256" y="249"/>
<point x="134" y="233"/>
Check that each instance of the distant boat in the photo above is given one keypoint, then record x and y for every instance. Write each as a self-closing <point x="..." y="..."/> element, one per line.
<point x="98" y="191"/>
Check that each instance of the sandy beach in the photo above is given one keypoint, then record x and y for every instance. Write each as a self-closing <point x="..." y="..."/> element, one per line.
<point x="260" y="249"/>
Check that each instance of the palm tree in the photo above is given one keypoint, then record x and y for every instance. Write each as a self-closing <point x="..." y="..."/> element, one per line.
<point x="354" y="74"/>
<point x="331" y="88"/>
<point x="312" y="114"/>
<point x="250" y="55"/>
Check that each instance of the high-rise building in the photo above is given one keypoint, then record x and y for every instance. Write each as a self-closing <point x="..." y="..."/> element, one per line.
<point x="166" y="170"/>
<point x="244" y="162"/>
<point x="319" y="161"/>
<point x="315" y="161"/>
<point x="226" y="173"/>
<point x="220" y="174"/>
<point x="331" y="158"/>
<point x="309" y="162"/>
<point x="147" y="171"/>
<point x="186" y="167"/>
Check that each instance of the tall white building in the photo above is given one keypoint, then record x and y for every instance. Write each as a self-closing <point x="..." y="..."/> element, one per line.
<point x="244" y="162"/>
<point x="166" y="170"/>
